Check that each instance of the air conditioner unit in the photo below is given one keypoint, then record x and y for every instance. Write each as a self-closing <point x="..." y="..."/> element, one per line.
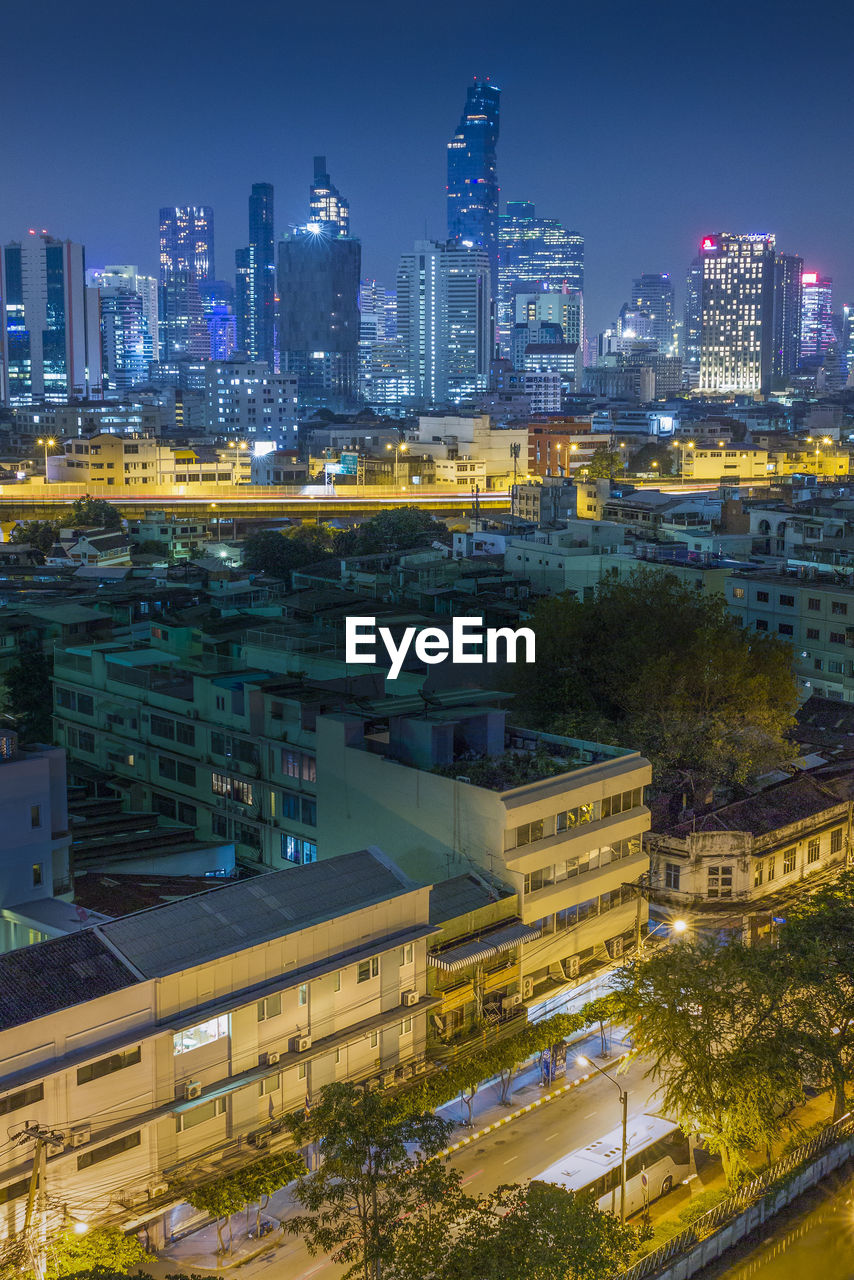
<point x="615" y="948"/>
<point x="403" y="1073"/>
<point x="387" y="1079"/>
<point x="158" y="1189"/>
<point x="135" y="1198"/>
<point x="193" y="1089"/>
<point x="572" y="966"/>
<point x="268" y="1059"/>
<point x="258" y="1140"/>
<point x="409" y="998"/>
<point x="420" y="1068"/>
<point x="299" y="1044"/>
<point x="80" y="1135"/>
<point x="527" y="988"/>
<point x="511" y="1002"/>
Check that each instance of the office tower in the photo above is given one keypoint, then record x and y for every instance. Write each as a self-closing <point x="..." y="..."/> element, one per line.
<point x="534" y="255"/>
<point x="377" y="312"/>
<point x="693" y="323"/>
<point x="256" y="280"/>
<point x="43" y="322"/>
<point x="565" y="308"/>
<point x="534" y="333"/>
<point x="787" y="314"/>
<point x="817" y="333"/>
<point x="472" y="178"/>
<point x="443" y="320"/>
<point x="132" y="280"/>
<point x="383" y="367"/>
<point x="737" y="339"/>
<point x="218" y="309"/>
<point x="187" y="242"/>
<point x="126" y="342"/>
<point x="183" y="331"/>
<point x="652" y="294"/>
<point x="848" y="342"/>
<point x="327" y="207"/>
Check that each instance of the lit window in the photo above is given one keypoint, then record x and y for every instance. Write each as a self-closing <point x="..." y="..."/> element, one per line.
<point x="203" y="1033"/>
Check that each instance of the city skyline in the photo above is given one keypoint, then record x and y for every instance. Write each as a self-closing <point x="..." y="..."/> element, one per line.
<point x="640" y="209"/>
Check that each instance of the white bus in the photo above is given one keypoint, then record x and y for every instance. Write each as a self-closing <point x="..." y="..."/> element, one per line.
<point x="658" y="1157"/>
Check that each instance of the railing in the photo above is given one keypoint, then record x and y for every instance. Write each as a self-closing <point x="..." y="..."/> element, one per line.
<point x="740" y="1200"/>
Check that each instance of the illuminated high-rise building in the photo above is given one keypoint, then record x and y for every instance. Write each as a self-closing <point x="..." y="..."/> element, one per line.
<point x="693" y="322"/>
<point x="256" y="280"/>
<point x="43" y="322"/>
<point x="327" y="207"/>
<point x="186" y="262"/>
<point x="565" y="309"/>
<point x="472" y="175"/>
<point x="443" y="321"/>
<point x="218" y="309"/>
<point x="737" y="338"/>
<point x="126" y="342"/>
<point x="817" y="332"/>
<point x="534" y="255"/>
<point x="131" y="279"/>
<point x="652" y="294"/>
<point x="787" y="314"/>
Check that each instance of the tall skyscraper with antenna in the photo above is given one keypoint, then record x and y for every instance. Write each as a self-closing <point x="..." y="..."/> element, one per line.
<point x="473" y="190"/>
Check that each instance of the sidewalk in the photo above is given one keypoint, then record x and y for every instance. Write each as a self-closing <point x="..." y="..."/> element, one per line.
<point x="197" y="1250"/>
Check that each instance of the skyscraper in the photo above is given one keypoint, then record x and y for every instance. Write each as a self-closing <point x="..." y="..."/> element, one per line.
<point x="652" y="293"/>
<point x="318" y="287"/>
<point x="126" y="342"/>
<point x="43" y="322"/>
<point x="534" y="254"/>
<point x="218" y="310"/>
<point x="443" y="320"/>
<point x="186" y="262"/>
<point x="130" y="278"/>
<point x="693" y="323"/>
<point x="327" y="207"/>
<point x="256" y="280"/>
<point x="787" y="314"/>
<point x="817" y="332"/>
<point x="736" y="346"/>
<point x="472" y="176"/>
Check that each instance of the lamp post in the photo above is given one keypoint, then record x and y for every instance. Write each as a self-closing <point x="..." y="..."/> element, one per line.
<point x="677" y="926"/>
<point x="624" y="1103"/>
<point x="399" y="448"/>
<point x="46" y="441"/>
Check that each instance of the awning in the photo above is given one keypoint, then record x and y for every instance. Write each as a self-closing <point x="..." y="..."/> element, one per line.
<point x="491" y="944"/>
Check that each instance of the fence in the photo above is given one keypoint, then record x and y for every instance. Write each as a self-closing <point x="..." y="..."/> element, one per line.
<point x="728" y="1210"/>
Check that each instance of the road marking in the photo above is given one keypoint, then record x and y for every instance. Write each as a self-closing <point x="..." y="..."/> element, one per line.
<point x="471" y="1176"/>
<point x="512" y="1158"/>
<point x="552" y="1135"/>
<point x="589" y="1114"/>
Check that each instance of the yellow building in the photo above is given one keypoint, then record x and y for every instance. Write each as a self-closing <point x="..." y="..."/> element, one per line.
<point x="722" y="462"/>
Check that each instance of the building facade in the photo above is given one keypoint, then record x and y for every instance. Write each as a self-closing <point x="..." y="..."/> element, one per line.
<point x="536" y="255"/>
<point x="817" y="330"/>
<point x="736" y="346"/>
<point x="244" y="398"/>
<point x="256" y="280"/>
<point x="472" y="190"/>
<point x="653" y="295"/>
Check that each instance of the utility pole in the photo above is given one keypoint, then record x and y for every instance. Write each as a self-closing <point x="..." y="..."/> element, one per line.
<point x="514" y="454"/>
<point x="37" y="1196"/>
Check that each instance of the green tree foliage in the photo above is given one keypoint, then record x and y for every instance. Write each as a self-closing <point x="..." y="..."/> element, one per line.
<point x="270" y="551"/>
<point x="710" y="1018"/>
<point x="104" y="1249"/>
<point x="94" y="512"/>
<point x="658" y="453"/>
<point x="29" y="695"/>
<point x="253" y="1183"/>
<point x="662" y="667"/>
<point x="41" y="534"/>
<point x="400" y="530"/>
<point x="817" y="951"/>
<point x="605" y="464"/>
<point x="368" y="1178"/>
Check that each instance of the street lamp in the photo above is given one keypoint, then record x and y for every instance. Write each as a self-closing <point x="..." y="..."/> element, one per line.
<point x="46" y="441"/>
<point x="216" y="517"/>
<point x="676" y="926"/>
<point x="399" y="448"/>
<point x="624" y="1102"/>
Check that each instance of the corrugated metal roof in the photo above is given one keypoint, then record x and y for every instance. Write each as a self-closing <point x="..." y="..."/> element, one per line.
<point x="490" y="944"/>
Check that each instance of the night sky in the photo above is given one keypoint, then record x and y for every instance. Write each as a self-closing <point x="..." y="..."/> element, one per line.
<point x="640" y="125"/>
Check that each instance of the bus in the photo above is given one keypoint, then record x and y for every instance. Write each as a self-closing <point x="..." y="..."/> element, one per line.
<point x="658" y="1158"/>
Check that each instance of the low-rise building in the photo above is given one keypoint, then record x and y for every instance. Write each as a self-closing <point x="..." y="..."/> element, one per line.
<point x="560" y="446"/>
<point x="730" y="462"/>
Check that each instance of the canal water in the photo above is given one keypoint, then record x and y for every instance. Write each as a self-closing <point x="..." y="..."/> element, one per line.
<point x="812" y="1240"/>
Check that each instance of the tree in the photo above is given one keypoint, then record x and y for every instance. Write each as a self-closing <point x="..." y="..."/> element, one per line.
<point x="605" y="464"/>
<point x="41" y="534"/>
<point x="30" y="698"/>
<point x="817" y="949"/>
<point x="220" y="1199"/>
<point x="94" y="512"/>
<point x="539" y="1231"/>
<point x="103" y="1249"/>
<point x="710" y="1018"/>
<point x="253" y="1183"/>
<point x="269" y="551"/>
<point x="654" y="452"/>
<point x="665" y="668"/>
<point x="400" y="530"/>
<point x="368" y="1177"/>
<point x="263" y="1178"/>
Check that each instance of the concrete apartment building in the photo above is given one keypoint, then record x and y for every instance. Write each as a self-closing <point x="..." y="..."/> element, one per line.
<point x="730" y="462"/>
<point x="812" y="614"/>
<point x="734" y="869"/>
<point x="107" y="459"/>
<point x="560" y="821"/>
<point x="473" y="439"/>
<point x="166" y="1045"/>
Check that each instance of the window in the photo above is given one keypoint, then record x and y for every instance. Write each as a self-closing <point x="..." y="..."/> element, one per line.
<point x="37" y="874"/>
<point x="337" y="984"/>
<point x="115" y="1148"/>
<point x="813" y="633"/>
<point x="301" y="1072"/>
<point x="529" y="832"/>
<point x="785" y="629"/>
<point x="671" y="875"/>
<point x="788" y="602"/>
<point x="231" y="788"/>
<point x="834" y="666"/>
<point x="761" y="624"/>
<point x="35" y="815"/>
<point x="309" y="813"/>
<point x="200" y="1115"/>
<point x="570" y="818"/>
<point x="407" y="953"/>
<point x="23" y="1098"/>
<point x="814" y="603"/>
<point x="838" y="607"/>
<point x="290" y="805"/>
<point x="177" y="771"/>
<point x="268" y="1085"/>
<point x="758" y="874"/>
<point x="375" y="1039"/>
<point x="770" y="867"/>
<point x="302" y="994"/>
<point x="720" y="882"/>
<point x="368" y="969"/>
<point x="790" y="858"/>
<point x="835" y="637"/>
<point x="203" y="1033"/>
<point x="836" y="840"/>
<point x="162" y="728"/>
<point x="14" y="1190"/>
<point x="269" y="1007"/>
<point x="185" y="734"/>
<point x="738" y="593"/>
<point x="106" y="1066"/>
<point x="299" y="851"/>
<point x="813" y="849"/>
<point x="818" y="664"/>
<point x="762" y="597"/>
<point x="406" y="1027"/>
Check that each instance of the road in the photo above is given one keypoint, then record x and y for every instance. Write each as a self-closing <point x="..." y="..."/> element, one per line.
<point x="513" y="1153"/>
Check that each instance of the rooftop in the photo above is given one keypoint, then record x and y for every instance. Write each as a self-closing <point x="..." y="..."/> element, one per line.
<point x="49" y="976"/>
<point x="788" y="802"/>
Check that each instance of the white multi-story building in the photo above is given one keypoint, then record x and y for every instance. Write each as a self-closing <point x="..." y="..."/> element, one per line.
<point x="131" y="279"/>
<point x="473" y="437"/>
<point x="243" y="398"/>
<point x="443" y="310"/>
<point x="737" y="297"/>
<point x="543" y="391"/>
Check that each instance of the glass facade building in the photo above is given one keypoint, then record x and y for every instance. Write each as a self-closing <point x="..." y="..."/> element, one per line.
<point x="472" y="175"/>
<point x="817" y="331"/>
<point x="256" y="281"/>
<point x="653" y="295"/>
<point x="327" y="207"/>
<point x="787" y="314"/>
<point x="534" y="255"/>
